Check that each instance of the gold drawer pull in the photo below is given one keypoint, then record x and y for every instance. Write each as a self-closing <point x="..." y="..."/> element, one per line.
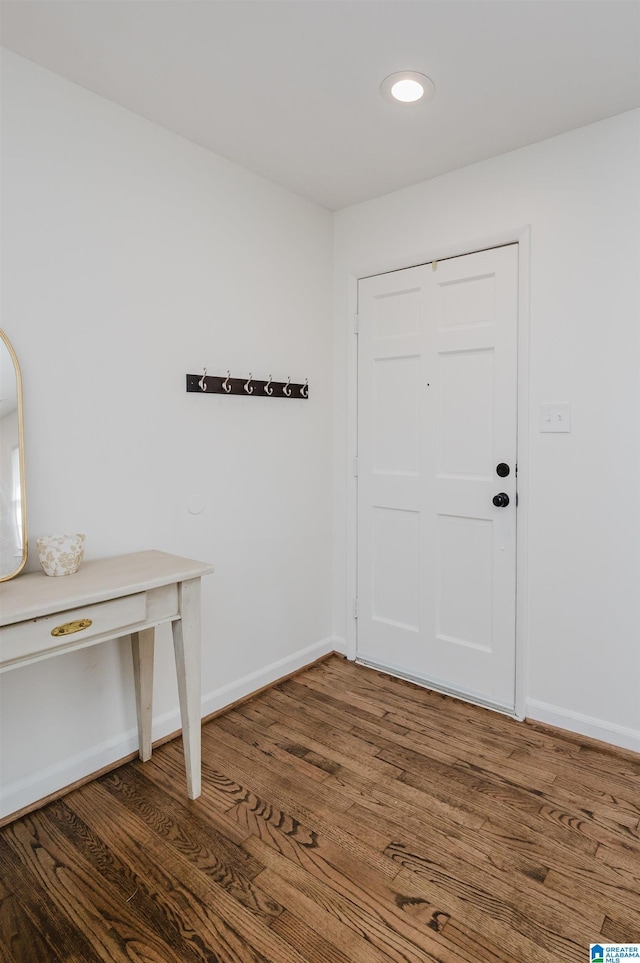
<point x="70" y="627"/>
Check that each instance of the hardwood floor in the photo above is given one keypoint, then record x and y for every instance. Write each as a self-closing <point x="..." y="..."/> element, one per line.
<point x="346" y="817"/>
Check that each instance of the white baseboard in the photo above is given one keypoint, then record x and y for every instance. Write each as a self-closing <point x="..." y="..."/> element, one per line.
<point x="226" y="695"/>
<point x="17" y="795"/>
<point x="600" y="729"/>
<point x="25" y="792"/>
<point x="339" y="645"/>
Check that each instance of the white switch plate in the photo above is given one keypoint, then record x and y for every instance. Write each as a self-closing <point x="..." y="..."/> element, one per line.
<point x="555" y="417"/>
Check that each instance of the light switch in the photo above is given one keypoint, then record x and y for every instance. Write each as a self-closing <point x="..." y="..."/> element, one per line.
<point x="555" y="417"/>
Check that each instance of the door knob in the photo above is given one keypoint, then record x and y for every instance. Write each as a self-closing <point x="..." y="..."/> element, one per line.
<point x="501" y="500"/>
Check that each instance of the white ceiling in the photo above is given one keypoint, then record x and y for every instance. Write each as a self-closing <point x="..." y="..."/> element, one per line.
<point x="290" y="88"/>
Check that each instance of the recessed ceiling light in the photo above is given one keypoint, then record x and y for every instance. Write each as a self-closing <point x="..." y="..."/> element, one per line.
<point x="407" y="87"/>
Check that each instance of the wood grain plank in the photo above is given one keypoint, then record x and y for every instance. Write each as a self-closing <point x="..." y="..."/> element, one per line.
<point x="79" y="895"/>
<point x="420" y="710"/>
<point x="166" y="768"/>
<point x="502" y="872"/>
<point x="326" y="715"/>
<point x="317" y="949"/>
<point x="37" y="917"/>
<point x="525" y="938"/>
<point x="343" y="750"/>
<point x="206" y="871"/>
<point x="361" y="776"/>
<point x="180" y="825"/>
<point x="327" y="920"/>
<point x="322" y="860"/>
<point x="279" y="772"/>
<point x="387" y="933"/>
<point x="430" y="926"/>
<point x="619" y="929"/>
<point x="21" y="938"/>
<point x="499" y="800"/>
<point x="345" y="816"/>
<point x="622" y="893"/>
<point x="131" y="878"/>
<point x="227" y="926"/>
<point x="267" y="789"/>
<point x="287" y="750"/>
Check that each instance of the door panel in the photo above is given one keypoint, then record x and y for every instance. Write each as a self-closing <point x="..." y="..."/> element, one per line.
<point x="466" y="300"/>
<point x="437" y="394"/>
<point x="465" y="406"/>
<point x="464" y="567"/>
<point x="396" y="387"/>
<point x="395" y="591"/>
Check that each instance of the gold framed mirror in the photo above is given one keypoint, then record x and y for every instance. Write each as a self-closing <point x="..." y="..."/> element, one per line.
<point x="13" y="500"/>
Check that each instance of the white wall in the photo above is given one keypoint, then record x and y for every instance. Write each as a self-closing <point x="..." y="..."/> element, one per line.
<point x="129" y="258"/>
<point x="580" y="194"/>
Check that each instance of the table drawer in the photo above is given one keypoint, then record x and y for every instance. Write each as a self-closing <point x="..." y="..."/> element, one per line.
<point x="68" y="629"/>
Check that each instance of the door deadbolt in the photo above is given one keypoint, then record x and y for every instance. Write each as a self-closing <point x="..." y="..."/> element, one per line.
<point x="501" y="500"/>
<point x="502" y="469"/>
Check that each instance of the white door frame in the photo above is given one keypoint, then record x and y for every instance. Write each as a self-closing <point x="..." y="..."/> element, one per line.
<point x="522" y="237"/>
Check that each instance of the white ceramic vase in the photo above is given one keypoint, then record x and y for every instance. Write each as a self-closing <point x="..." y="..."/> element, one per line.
<point x="60" y="554"/>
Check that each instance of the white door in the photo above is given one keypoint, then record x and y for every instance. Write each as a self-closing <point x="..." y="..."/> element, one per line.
<point x="437" y="397"/>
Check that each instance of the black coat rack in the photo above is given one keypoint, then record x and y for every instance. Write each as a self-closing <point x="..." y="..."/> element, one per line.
<point x="248" y="387"/>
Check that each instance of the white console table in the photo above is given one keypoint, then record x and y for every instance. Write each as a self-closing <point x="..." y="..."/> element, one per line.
<point x="43" y="616"/>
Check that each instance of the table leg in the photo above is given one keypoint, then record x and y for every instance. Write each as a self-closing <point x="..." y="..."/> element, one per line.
<point x="142" y="645"/>
<point x="186" y="644"/>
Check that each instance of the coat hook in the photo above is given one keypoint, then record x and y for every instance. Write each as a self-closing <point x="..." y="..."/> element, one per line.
<point x="202" y="382"/>
<point x="304" y="389"/>
<point x="225" y="384"/>
<point x="268" y="389"/>
<point x="247" y="385"/>
<point x="287" y="390"/>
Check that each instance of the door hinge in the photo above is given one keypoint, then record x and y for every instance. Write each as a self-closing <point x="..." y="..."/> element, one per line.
<point x="355" y="608"/>
<point x="355" y="467"/>
<point x="356" y="323"/>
